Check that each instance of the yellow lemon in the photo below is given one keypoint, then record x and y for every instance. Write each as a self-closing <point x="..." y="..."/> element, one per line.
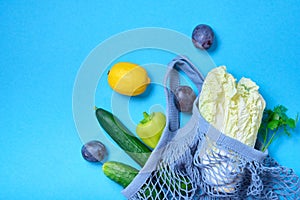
<point x="128" y="78"/>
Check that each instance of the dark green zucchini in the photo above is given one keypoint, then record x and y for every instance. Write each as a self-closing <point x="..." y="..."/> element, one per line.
<point x="137" y="150"/>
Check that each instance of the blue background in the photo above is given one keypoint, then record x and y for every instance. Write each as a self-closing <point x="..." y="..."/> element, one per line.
<point x="43" y="45"/>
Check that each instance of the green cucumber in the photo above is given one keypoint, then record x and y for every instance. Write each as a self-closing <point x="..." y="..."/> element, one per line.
<point x="137" y="150"/>
<point x="119" y="172"/>
<point x="124" y="174"/>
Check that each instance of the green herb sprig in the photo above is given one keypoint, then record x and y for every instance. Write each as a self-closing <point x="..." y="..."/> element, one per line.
<point x="275" y="122"/>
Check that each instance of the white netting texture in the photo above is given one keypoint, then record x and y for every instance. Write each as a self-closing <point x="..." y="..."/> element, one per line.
<point x="206" y="169"/>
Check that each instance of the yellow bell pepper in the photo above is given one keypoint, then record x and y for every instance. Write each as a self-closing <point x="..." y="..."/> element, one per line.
<point x="151" y="127"/>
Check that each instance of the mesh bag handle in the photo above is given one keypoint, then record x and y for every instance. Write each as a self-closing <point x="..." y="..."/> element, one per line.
<point x="182" y="63"/>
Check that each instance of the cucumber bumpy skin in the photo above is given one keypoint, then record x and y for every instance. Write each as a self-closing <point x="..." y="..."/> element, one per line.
<point x="137" y="150"/>
<point x="119" y="172"/>
<point x="124" y="174"/>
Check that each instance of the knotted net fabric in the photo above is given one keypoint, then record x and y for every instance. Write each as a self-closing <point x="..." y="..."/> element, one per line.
<point x="199" y="162"/>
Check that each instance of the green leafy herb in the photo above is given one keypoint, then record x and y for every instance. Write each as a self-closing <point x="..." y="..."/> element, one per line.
<point x="275" y="122"/>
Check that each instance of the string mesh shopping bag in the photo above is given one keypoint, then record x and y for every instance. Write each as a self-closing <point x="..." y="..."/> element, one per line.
<point x="197" y="161"/>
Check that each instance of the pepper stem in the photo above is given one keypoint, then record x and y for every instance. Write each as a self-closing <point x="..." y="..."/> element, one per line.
<point x="146" y="119"/>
